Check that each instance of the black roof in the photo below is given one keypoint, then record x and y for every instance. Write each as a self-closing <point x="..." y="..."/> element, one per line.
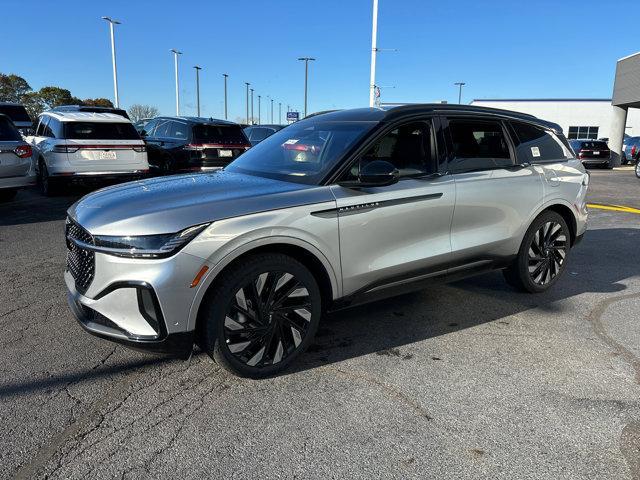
<point x="267" y="125"/>
<point x="198" y="120"/>
<point x="390" y="113"/>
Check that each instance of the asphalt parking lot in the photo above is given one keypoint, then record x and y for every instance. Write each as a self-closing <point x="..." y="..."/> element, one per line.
<point x="467" y="380"/>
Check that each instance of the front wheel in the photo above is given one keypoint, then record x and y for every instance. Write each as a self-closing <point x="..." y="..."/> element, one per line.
<point x="637" y="169"/>
<point x="543" y="254"/>
<point x="262" y="315"/>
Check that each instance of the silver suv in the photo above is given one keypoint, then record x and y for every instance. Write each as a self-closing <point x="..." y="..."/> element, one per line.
<point x="337" y="209"/>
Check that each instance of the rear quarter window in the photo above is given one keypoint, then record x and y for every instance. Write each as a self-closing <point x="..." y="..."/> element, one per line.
<point x="535" y="144"/>
<point x="100" y="131"/>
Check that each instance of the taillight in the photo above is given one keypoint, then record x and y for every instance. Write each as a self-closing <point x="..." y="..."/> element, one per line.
<point x="580" y="154"/>
<point x="62" y="148"/>
<point x="23" y="151"/>
<point x="633" y="150"/>
<point x="141" y="148"/>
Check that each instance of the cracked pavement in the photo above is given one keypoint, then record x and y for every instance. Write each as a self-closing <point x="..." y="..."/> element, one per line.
<point x="467" y="380"/>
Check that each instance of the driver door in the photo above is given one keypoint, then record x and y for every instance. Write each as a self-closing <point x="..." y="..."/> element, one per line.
<point x="402" y="231"/>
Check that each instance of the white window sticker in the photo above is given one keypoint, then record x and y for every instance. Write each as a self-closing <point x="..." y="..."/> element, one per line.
<point x="291" y="141"/>
<point x="535" y="151"/>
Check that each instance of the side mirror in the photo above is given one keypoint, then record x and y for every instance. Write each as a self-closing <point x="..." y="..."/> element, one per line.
<point x="378" y="173"/>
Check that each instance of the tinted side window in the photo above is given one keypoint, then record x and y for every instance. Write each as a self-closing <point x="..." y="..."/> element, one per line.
<point x="149" y="127"/>
<point x="477" y="145"/>
<point x="535" y="144"/>
<point x="46" y="129"/>
<point x="259" y="133"/>
<point x="162" y="130"/>
<point x="40" y="129"/>
<point x="179" y="130"/>
<point x="409" y="148"/>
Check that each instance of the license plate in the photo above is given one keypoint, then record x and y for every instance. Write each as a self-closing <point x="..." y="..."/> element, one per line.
<point x="596" y="152"/>
<point x="107" y="155"/>
<point x="225" y="153"/>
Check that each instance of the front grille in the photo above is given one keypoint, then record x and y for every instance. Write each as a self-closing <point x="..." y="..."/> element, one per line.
<point x="80" y="262"/>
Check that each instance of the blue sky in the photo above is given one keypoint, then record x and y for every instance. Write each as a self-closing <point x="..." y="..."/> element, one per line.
<point x="501" y="49"/>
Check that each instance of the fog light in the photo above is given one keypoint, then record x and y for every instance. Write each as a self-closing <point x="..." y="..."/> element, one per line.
<point x="147" y="305"/>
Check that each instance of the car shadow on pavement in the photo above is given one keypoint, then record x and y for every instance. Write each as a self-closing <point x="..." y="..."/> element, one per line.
<point x="599" y="264"/>
<point x="30" y="206"/>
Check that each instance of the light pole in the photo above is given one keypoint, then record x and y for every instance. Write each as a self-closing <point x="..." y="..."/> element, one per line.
<point x="198" y="87"/>
<point x="175" y="60"/>
<point x="306" y="61"/>
<point x="279" y="113"/>
<point x="225" y="95"/>
<point x="272" y="111"/>
<point x="247" y="84"/>
<point x="259" y="97"/>
<point x="113" y="22"/>
<point x="460" y="85"/>
<point x="374" y="51"/>
<point x="251" y="105"/>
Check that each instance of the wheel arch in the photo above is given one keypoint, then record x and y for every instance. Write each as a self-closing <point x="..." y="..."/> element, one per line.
<point x="562" y="209"/>
<point x="301" y="251"/>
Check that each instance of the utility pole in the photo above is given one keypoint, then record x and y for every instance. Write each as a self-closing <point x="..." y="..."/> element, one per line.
<point x="175" y="59"/>
<point x="252" y="117"/>
<point x="460" y="85"/>
<point x="272" y="111"/>
<point x="113" y="22"/>
<point x="225" y="95"/>
<point x="247" y="84"/>
<point x="306" y="61"/>
<point x="198" y="87"/>
<point x="279" y="113"/>
<point x="374" y="51"/>
<point x="259" y="97"/>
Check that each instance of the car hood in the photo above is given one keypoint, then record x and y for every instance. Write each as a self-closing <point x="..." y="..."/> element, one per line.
<point x="170" y="204"/>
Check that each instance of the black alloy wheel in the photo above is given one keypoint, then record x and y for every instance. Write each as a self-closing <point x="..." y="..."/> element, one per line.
<point x="264" y="313"/>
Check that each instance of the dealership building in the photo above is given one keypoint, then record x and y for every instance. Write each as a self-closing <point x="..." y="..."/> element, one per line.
<point x="578" y="117"/>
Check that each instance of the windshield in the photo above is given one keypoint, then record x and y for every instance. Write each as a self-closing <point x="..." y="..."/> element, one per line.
<point x="303" y="152"/>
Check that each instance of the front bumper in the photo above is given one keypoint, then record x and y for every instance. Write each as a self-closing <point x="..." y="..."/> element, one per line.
<point x="144" y="304"/>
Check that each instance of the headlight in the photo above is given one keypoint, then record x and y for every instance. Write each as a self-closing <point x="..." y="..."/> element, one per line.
<point x="146" y="246"/>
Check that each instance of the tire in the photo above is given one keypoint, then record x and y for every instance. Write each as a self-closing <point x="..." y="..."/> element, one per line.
<point x="250" y="324"/>
<point x="542" y="257"/>
<point x="8" y="194"/>
<point x="637" y="169"/>
<point x="48" y="186"/>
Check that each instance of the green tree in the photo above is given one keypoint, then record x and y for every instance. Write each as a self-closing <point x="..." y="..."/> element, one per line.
<point x="97" y="102"/>
<point x="33" y="104"/>
<point x="12" y="88"/>
<point x="55" y="96"/>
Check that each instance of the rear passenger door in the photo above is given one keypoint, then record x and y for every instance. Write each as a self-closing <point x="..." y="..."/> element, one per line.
<point x="495" y="193"/>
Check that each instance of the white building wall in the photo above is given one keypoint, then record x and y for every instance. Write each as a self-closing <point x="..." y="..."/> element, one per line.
<point x="570" y="113"/>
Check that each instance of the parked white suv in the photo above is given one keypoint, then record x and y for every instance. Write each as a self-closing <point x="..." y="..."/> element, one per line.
<point x="83" y="146"/>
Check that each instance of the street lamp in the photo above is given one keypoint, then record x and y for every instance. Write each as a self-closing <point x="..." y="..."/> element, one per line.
<point x="251" y="105"/>
<point x="225" y="95"/>
<point x="175" y="60"/>
<point x="306" y="61"/>
<point x="279" y="113"/>
<point x="247" y="84"/>
<point x="259" y="97"/>
<point x="460" y="85"/>
<point x="272" y="111"/>
<point x="113" y="22"/>
<point x="374" y="51"/>
<point x="198" y="87"/>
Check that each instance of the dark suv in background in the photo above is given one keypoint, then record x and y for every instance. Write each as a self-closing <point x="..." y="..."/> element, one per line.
<point x="183" y="144"/>
<point x="257" y="133"/>
<point x="18" y="115"/>
<point x="592" y="152"/>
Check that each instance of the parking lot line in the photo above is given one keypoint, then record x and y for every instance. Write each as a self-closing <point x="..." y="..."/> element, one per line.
<point x="615" y="208"/>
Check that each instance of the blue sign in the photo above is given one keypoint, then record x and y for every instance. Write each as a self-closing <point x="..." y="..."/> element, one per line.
<point x="293" y="116"/>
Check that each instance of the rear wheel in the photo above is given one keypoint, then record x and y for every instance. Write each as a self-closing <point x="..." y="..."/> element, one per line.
<point x="261" y="316"/>
<point x="7" y="194"/>
<point x="637" y="169"/>
<point x="542" y="256"/>
<point x="48" y="186"/>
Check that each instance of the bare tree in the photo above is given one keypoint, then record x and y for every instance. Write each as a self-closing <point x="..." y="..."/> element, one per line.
<point x="138" y="112"/>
